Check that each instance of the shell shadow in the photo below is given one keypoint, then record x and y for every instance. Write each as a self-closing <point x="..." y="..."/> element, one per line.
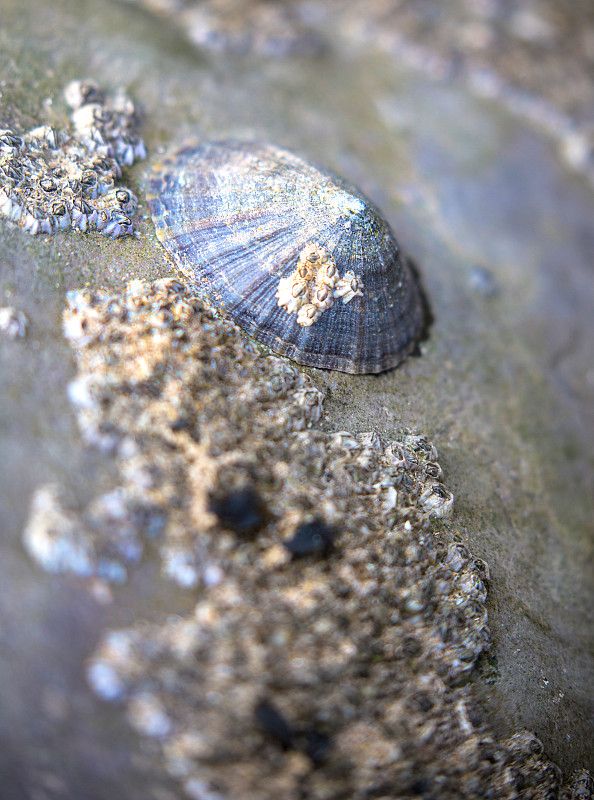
<point x="427" y="314"/>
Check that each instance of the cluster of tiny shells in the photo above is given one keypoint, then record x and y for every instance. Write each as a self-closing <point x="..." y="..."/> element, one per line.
<point x="54" y="180"/>
<point x="314" y="285"/>
<point x="163" y="337"/>
<point x="327" y="653"/>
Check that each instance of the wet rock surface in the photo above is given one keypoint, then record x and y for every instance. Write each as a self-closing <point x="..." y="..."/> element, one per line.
<point x="501" y="231"/>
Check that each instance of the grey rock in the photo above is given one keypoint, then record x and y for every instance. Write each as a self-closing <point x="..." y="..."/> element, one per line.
<point x="504" y="385"/>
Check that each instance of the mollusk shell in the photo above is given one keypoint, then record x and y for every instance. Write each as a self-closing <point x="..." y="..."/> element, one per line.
<point x="298" y="258"/>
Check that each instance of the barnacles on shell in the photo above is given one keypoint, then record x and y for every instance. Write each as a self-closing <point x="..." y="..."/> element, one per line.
<point x="312" y="286"/>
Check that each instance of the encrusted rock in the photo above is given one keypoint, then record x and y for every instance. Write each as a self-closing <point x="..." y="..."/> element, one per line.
<point x="338" y="673"/>
<point x="54" y="180"/>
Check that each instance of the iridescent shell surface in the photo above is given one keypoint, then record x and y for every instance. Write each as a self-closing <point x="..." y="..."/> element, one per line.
<point x="297" y="257"/>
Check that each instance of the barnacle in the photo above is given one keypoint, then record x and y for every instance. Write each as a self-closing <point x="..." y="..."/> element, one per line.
<point x="311" y="288"/>
<point x="52" y="180"/>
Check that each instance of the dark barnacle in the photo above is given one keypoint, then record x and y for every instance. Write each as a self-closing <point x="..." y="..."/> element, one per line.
<point x="9" y="142"/>
<point x="274" y="724"/>
<point x="311" y="538"/>
<point x="308" y="739"/>
<point x="105" y="166"/>
<point x="241" y="511"/>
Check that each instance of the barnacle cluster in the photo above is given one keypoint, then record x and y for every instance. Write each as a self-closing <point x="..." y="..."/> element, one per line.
<point x="332" y="634"/>
<point x="163" y="338"/>
<point x="314" y="284"/>
<point x="53" y="180"/>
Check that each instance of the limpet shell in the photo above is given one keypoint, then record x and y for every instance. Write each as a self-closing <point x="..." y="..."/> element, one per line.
<point x="297" y="257"/>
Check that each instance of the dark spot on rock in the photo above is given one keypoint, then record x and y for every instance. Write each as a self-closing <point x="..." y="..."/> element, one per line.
<point x="179" y="424"/>
<point x="420" y="786"/>
<point x="274" y="724"/>
<point x="412" y="647"/>
<point x="446" y="633"/>
<point x="424" y="702"/>
<point x="316" y="745"/>
<point x="308" y="740"/>
<point x="241" y="511"/>
<point x="311" y="538"/>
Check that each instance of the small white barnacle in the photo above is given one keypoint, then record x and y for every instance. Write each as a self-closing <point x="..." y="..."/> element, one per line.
<point x="436" y="500"/>
<point x="322" y="297"/>
<point x="13" y="323"/>
<point x="84" y="118"/>
<point x="395" y="456"/>
<point x="308" y="314"/>
<point x="349" y="286"/>
<point x="9" y="205"/>
<point x="79" y="93"/>
<point x="387" y="495"/>
<point x="310" y="400"/>
<point x="326" y="279"/>
<point x="308" y="290"/>
<point x="33" y="220"/>
<point x="117" y="224"/>
<point x="291" y="294"/>
<point x="344" y="202"/>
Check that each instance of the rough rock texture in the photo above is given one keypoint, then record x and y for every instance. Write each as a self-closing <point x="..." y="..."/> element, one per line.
<point x="52" y="180"/>
<point x="500" y="229"/>
<point x="328" y="649"/>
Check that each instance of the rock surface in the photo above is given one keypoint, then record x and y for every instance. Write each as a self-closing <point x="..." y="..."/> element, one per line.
<point x="501" y="231"/>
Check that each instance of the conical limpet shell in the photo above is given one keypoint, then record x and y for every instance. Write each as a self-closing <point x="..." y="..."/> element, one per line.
<point x="297" y="257"/>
